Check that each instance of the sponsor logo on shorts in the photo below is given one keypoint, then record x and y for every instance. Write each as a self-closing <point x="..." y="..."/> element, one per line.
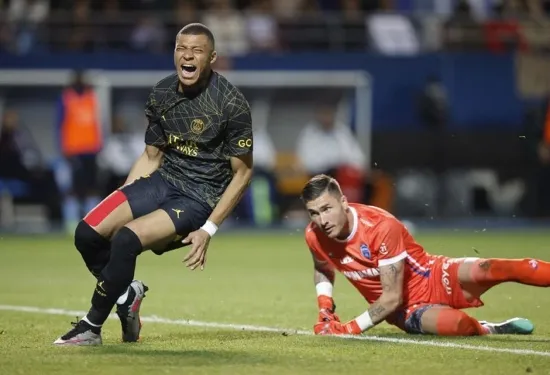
<point x="178" y="212"/>
<point x="445" y="278"/>
<point x="383" y="249"/>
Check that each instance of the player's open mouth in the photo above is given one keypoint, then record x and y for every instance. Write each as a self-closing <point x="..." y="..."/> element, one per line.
<point x="188" y="70"/>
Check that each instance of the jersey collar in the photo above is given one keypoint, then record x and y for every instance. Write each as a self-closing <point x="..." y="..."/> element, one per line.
<point x="354" y="227"/>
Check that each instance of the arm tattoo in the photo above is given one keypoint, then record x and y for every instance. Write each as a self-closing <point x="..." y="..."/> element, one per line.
<point x="391" y="280"/>
<point x="388" y="277"/>
<point x="377" y="312"/>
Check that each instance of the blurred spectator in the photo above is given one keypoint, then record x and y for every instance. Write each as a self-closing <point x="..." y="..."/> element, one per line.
<point x="377" y="5"/>
<point x="6" y="36"/>
<point x="482" y="9"/>
<point x="519" y="8"/>
<point x="80" y="140"/>
<point x="506" y="32"/>
<point x="309" y="31"/>
<point x="150" y="5"/>
<point x="328" y="146"/>
<point x="34" y="11"/>
<point x="148" y="35"/>
<point x="461" y="30"/>
<point x="262" y="28"/>
<point x="264" y="150"/>
<point x="185" y="12"/>
<point x="22" y="161"/>
<point x="393" y="34"/>
<point x="261" y="201"/>
<point x="228" y="26"/>
<point x="116" y="30"/>
<point x="81" y="35"/>
<point x="434" y="104"/>
<point x="122" y="148"/>
<point x="287" y="8"/>
<point x="325" y="143"/>
<point x="25" y="17"/>
<point x="353" y="25"/>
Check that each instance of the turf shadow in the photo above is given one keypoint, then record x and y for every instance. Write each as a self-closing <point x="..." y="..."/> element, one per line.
<point x="191" y="357"/>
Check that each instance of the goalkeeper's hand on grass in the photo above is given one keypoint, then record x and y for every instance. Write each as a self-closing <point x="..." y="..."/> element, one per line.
<point x="328" y="323"/>
<point x="327" y="309"/>
<point x="334" y="327"/>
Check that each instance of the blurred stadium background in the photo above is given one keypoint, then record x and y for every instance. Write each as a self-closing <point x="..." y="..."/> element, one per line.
<point x="434" y="110"/>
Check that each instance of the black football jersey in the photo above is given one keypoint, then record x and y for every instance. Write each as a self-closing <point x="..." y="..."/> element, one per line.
<point x="199" y="134"/>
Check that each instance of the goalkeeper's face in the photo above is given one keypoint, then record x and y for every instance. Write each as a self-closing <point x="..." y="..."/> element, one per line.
<point x="329" y="212"/>
<point x="193" y="57"/>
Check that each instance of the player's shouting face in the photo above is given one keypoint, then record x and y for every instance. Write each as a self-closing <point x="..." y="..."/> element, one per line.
<point x="329" y="211"/>
<point x="193" y="56"/>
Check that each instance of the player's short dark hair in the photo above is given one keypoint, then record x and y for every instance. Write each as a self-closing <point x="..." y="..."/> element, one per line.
<point x="318" y="185"/>
<point x="198" y="29"/>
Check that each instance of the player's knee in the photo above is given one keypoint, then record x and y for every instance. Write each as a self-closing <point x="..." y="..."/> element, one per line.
<point x="87" y="240"/>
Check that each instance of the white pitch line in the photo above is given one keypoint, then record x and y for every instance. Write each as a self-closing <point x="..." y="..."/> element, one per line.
<point x="246" y="327"/>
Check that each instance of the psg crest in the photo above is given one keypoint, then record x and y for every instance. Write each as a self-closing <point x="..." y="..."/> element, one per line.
<point x="365" y="251"/>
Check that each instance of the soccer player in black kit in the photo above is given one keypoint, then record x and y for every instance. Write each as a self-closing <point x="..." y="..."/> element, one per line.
<point x="196" y="165"/>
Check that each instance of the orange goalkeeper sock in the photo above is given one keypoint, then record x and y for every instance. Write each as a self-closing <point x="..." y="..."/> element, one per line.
<point x="451" y="322"/>
<point x="524" y="271"/>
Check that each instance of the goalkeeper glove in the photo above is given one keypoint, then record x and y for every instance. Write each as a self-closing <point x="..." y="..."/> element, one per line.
<point x="334" y="327"/>
<point x="326" y="309"/>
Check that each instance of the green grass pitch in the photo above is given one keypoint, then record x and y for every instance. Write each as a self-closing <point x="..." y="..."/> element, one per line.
<point x="258" y="280"/>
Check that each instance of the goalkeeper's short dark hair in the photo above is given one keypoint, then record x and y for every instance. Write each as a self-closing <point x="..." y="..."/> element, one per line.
<point x="318" y="185"/>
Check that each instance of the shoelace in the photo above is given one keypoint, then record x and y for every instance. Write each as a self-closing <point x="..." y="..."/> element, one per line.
<point x="75" y="323"/>
<point x="76" y="329"/>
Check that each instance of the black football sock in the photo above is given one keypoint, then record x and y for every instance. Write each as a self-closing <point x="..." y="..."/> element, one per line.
<point x="94" y="248"/>
<point x="116" y="276"/>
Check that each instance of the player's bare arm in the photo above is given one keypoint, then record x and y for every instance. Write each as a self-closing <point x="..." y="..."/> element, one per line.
<point x="323" y="271"/>
<point x="146" y="164"/>
<point x="242" y="174"/>
<point x="391" y="278"/>
<point x="323" y="278"/>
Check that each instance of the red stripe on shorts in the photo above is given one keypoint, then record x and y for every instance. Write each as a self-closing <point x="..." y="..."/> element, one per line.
<point x="104" y="209"/>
